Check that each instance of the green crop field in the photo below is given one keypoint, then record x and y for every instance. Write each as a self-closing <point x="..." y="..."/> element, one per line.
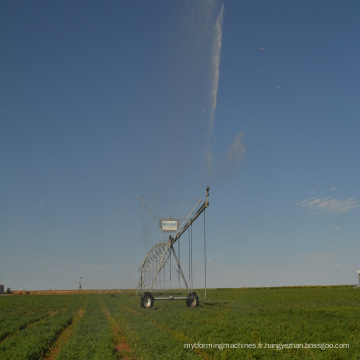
<point x="254" y="323"/>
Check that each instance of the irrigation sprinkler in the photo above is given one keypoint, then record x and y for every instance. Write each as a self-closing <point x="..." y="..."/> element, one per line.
<point x="358" y="284"/>
<point x="153" y="267"/>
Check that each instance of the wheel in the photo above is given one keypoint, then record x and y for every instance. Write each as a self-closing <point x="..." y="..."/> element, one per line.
<point x="192" y="299"/>
<point x="147" y="300"/>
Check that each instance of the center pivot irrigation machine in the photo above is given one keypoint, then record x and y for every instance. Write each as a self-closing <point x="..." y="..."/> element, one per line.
<point x="152" y="269"/>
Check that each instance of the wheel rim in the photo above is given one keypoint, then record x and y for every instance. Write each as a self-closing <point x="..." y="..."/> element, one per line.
<point x="193" y="302"/>
<point x="147" y="301"/>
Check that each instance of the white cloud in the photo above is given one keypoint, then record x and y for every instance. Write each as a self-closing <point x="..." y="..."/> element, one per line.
<point x="237" y="151"/>
<point x="323" y="258"/>
<point x="334" y="227"/>
<point x="329" y="205"/>
<point x="227" y="165"/>
<point x="333" y="189"/>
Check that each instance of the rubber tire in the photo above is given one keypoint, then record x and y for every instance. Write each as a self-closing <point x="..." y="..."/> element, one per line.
<point x="147" y="300"/>
<point x="192" y="299"/>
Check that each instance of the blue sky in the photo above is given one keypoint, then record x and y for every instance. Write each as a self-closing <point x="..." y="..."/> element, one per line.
<point x="103" y="101"/>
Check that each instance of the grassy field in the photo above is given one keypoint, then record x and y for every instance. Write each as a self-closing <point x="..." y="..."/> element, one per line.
<point x="254" y="323"/>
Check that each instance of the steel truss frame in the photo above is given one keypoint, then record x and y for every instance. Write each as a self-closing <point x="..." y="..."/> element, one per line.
<point x="160" y="254"/>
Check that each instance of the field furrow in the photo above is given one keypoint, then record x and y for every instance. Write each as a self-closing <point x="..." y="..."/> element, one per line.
<point x="121" y="345"/>
<point x="63" y="337"/>
<point x="91" y="338"/>
<point x="32" y="342"/>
